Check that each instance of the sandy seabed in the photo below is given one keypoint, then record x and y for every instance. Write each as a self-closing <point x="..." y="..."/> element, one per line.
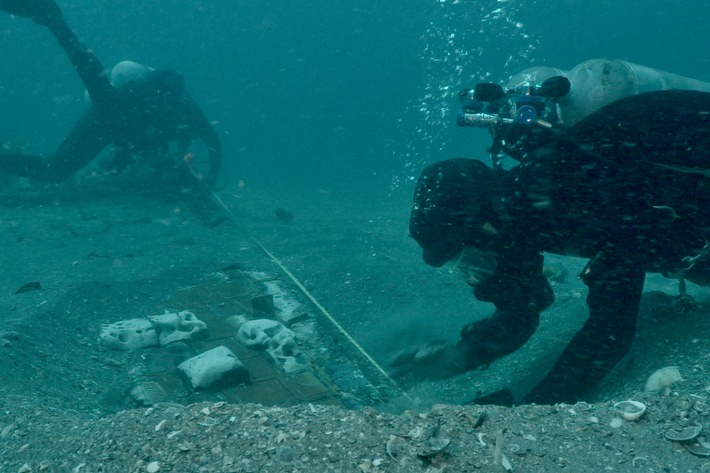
<point x="102" y="251"/>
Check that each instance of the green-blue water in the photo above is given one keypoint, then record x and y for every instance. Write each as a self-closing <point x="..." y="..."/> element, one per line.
<point x="317" y="92"/>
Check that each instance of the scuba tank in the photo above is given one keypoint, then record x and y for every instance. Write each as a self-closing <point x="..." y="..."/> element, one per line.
<point x="599" y="82"/>
<point x="534" y="75"/>
<point x="547" y="96"/>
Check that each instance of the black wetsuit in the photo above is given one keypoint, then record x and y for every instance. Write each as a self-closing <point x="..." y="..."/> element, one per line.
<point x="134" y="118"/>
<point x="626" y="187"/>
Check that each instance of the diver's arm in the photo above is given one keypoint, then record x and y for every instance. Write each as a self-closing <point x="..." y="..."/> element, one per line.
<point x="202" y="129"/>
<point x="487" y="340"/>
<point x="86" y="64"/>
<point x="520" y="293"/>
<point x="615" y="287"/>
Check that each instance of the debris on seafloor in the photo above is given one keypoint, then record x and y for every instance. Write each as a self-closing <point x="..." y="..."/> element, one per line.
<point x="283" y="215"/>
<point x="499" y="457"/>
<point x="6" y="337"/>
<point x="476" y="420"/>
<point x="30" y="286"/>
<point x="422" y="442"/>
<point x="232" y="267"/>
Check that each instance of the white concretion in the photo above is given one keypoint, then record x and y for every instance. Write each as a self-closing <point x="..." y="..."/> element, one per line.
<point x="663" y="378"/>
<point x="153" y="330"/>
<point x="285" y="352"/>
<point x="279" y="342"/>
<point x="218" y="364"/>
<point x="129" y="335"/>
<point x="258" y="333"/>
<point x="176" y="326"/>
<point x="283" y="344"/>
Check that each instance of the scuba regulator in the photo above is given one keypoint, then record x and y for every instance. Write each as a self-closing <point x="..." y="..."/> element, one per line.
<point x="501" y="109"/>
<point x="528" y="102"/>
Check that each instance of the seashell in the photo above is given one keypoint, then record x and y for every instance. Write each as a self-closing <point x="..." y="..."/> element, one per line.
<point x="396" y="447"/>
<point x="698" y="450"/>
<point x="433" y="447"/>
<point x="582" y="406"/>
<point x="147" y="394"/>
<point x="152" y="467"/>
<point x="505" y="463"/>
<point x="630" y="410"/>
<point x="687" y="433"/>
<point x="663" y="378"/>
<point x="700" y="407"/>
<point x="185" y="447"/>
<point x="416" y="432"/>
<point x="365" y="466"/>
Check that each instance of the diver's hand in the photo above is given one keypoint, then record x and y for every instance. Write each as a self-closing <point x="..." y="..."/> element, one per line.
<point x="44" y="12"/>
<point x="434" y="360"/>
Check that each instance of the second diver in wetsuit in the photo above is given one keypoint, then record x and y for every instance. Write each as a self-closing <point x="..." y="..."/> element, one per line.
<point x="136" y="109"/>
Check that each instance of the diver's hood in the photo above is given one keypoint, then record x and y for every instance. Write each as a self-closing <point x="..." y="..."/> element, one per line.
<point x="452" y="201"/>
<point x="127" y="72"/>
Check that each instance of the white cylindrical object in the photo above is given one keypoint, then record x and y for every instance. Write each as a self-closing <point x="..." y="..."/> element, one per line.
<point x="534" y="75"/>
<point x="599" y="82"/>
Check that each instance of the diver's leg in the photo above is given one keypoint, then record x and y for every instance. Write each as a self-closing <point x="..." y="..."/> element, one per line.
<point x="25" y="165"/>
<point x="86" y="64"/>
<point x="605" y="338"/>
<point x="84" y="142"/>
<point x="40" y="11"/>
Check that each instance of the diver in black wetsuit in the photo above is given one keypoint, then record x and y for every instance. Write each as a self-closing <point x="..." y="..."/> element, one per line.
<point x="626" y="187"/>
<point x="144" y="114"/>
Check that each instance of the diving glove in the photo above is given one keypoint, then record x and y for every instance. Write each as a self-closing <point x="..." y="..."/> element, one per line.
<point x="435" y="360"/>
